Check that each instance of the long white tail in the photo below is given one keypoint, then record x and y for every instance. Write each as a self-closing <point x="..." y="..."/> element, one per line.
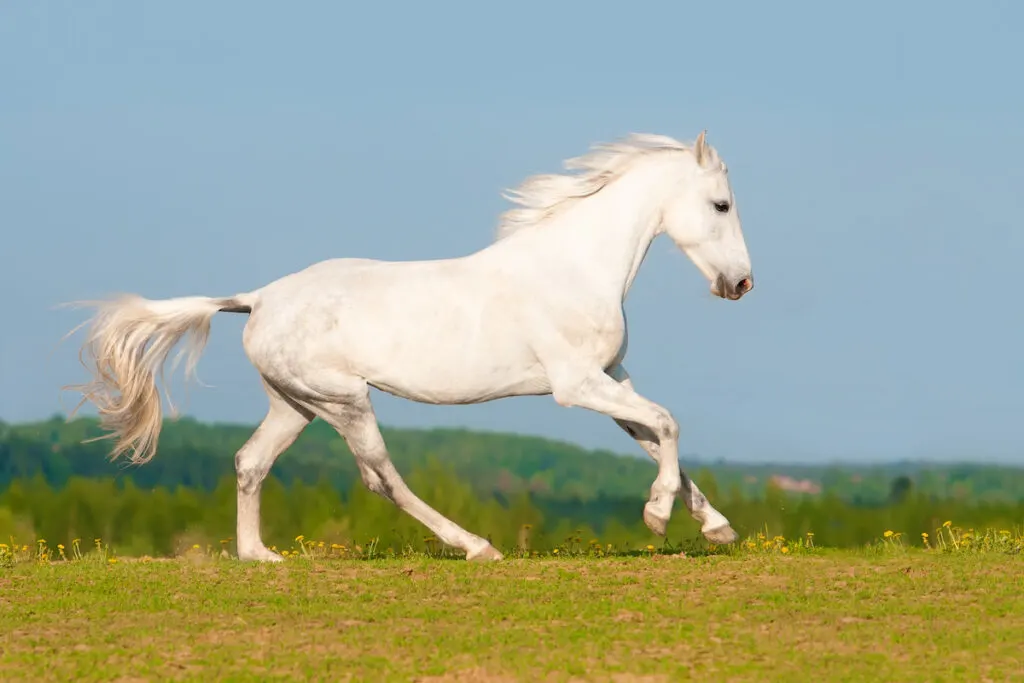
<point x="128" y="344"/>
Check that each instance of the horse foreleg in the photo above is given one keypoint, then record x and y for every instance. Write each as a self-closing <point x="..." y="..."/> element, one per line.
<point x="714" y="525"/>
<point x="657" y="432"/>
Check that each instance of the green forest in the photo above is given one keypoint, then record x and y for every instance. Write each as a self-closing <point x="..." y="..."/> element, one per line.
<point x="520" y="491"/>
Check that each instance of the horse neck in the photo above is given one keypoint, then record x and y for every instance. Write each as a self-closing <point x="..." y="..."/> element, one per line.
<point x="607" y="235"/>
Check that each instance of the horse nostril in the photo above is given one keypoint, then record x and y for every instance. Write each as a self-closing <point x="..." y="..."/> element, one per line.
<point x="744" y="285"/>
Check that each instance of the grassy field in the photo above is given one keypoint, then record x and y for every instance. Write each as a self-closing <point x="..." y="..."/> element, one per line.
<point x="756" y="613"/>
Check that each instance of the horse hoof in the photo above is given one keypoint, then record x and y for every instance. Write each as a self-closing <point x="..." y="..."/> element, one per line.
<point x="656" y="524"/>
<point x="260" y="555"/>
<point x="722" y="535"/>
<point x="486" y="554"/>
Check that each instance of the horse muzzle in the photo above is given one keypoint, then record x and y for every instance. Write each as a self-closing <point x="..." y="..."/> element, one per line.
<point x="732" y="288"/>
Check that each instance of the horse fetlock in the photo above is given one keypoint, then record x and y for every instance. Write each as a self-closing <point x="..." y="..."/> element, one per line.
<point x="655" y="519"/>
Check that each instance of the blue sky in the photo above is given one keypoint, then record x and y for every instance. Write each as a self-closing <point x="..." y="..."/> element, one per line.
<point x="875" y="150"/>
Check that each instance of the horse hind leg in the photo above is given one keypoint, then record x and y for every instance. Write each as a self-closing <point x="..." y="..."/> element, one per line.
<point x="282" y="425"/>
<point x="351" y="414"/>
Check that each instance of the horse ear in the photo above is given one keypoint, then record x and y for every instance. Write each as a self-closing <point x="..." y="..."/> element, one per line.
<point x="700" y="149"/>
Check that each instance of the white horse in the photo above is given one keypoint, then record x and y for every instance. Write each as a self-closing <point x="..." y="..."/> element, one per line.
<point x="538" y="312"/>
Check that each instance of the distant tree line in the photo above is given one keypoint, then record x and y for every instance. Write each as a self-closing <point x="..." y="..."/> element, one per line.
<point x="518" y="491"/>
<point x="198" y="456"/>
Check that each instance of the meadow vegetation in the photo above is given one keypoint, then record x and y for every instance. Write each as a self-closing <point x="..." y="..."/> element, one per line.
<point x="770" y="609"/>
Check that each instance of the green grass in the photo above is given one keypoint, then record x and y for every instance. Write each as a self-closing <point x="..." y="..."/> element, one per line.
<point x="753" y="614"/>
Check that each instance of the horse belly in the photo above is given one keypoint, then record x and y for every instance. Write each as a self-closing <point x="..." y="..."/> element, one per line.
<point x="448" y="369"/>
<point x="450" y="385"/>
<point x="461" y="354"/>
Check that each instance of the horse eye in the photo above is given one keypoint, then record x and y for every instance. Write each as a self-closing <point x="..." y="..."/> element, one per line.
<point x="722" y="207"/>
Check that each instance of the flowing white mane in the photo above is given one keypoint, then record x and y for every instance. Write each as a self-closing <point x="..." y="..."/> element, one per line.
<point x="540" y="196"/>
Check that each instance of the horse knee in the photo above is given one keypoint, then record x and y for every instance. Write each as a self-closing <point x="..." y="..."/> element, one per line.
<point x="666" y="427"/>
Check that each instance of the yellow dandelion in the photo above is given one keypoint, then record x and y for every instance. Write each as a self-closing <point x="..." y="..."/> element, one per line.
<point x="299" y="538"/>
<point x="112" y="560"/>
<point x="947" y="523"/>
<point x="555" y="551"/>
<point x="887" y="534"/>
<point x="195" y="547"/>
<point x="60" y="546"/>
<point x="785" y="549"/>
